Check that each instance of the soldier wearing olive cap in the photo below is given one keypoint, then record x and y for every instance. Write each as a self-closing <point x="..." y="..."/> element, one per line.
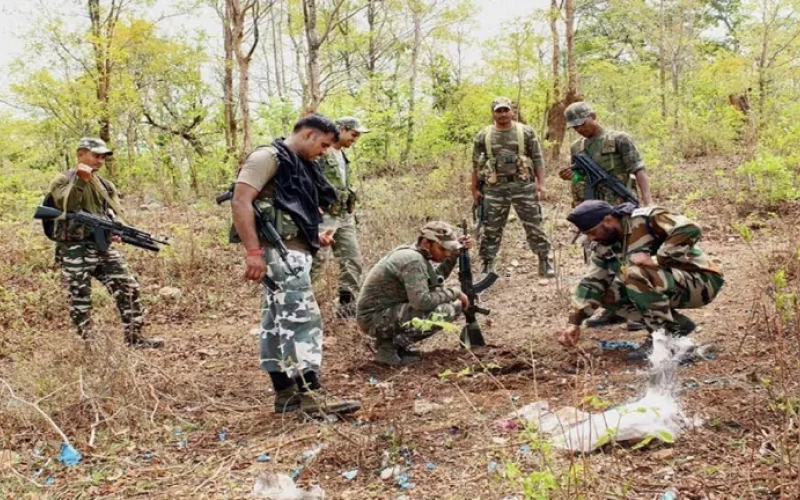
<point x="617" y="154"/>
<point x="405" y="285"/>
<point x="340" y="216"/>
<point x="507" y="162"/>
<point x="84" y="189"/>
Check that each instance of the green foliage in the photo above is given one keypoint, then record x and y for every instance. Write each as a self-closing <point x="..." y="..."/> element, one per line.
<point x="772" y="178"/>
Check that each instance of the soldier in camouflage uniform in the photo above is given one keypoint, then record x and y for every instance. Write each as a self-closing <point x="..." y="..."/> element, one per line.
<point x="405" y="286"/>
<point x="286" y="184"/>
<point x="647" y="263"/>
<point x="617" y="154"/>
<point x="340" y="217"/>
<point x="507" y="163"/>
<point x="84" y="189"/>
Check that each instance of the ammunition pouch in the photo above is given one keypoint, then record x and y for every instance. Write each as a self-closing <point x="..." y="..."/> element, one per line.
<point x="350" y="204"/>
<point x="283" y="223"/>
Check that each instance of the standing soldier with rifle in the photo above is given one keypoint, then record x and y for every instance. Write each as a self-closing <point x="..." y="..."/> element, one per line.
<point x="405" y="285"/>
<point x="508" y="170"/>
<point x="616" y="153"/>
<point x="83" y="189"/>
<point x="336" y="167"/>
<point x="287" y="190"/>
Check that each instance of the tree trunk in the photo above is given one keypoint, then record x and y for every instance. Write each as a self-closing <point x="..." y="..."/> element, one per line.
<point x="239" y="15"/>
<point x="102" y="34"/>
<point x="555" y="113"/>
<point x="231" y="126"/>
<point x="277" y="53"/>
<point x="412" y="86"/>
<point x="572" y="68"/>
<point x="662" y="63"/>
<point x="313" y="40"/>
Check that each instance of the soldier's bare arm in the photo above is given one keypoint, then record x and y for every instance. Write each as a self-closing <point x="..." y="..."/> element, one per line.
<point x="644" y="184"/>
<point x="244" y="220"/>
<point x="634" y="165"/>
<point x="478" y="149"/>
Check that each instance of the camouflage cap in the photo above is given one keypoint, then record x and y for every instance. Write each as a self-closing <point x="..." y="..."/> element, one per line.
<point x="502" y="102"/>
<point x="95" y="145"/>
<point x="352" y="123"/>
<point x="442" y="233"/>
<point x="577" y="113"/>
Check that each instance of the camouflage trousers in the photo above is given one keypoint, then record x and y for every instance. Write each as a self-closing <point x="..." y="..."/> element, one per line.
<point x="395" y="323"/>
<point x="498" y="200"/>
<point x="345" y="251"/>
<point x="649" y="294"/>
<point x="291" y="324"/>
<point x="79" y="263"/>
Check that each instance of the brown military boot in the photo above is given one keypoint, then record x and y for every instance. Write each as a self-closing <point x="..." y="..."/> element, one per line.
<point x="546" y="266"/>
<point x="389" y="354"/>
<point x="318" y="402"/>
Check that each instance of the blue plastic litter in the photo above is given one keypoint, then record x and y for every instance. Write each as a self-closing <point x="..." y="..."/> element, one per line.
<point x="69" y="456"/>
<point x="222" y="436"/>
<point x="430" y="465"/>
<point x="177" y="431"/>
<point x="350" y="475"/>
<point x="50" y="481"/>
<point x="514" y="399"/>
<point x="182" y="443"/>
<point x="691" y="384"/>
<point x="373" y="380"/>
<point x="525" y="449"/>
<point x="296" y="473"/>
<point x="148" y="456"/>
<point x="402" y="481"/>
<point x="492" y="466"/>
<point x="264" y="457"/>
<point x="617" y="345"/>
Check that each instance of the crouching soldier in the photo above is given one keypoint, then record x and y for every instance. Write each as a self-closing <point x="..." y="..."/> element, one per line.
<point x="405" y="285"/>
<point x="646" y="264"/>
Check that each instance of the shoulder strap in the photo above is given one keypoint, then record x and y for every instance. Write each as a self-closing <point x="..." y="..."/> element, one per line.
<point x="520" y="138"/>
<point x="610" y="140"/>
<point x="487" y="139"/>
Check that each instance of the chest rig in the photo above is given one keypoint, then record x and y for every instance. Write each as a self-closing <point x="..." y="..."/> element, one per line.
<point x="506" y="168"/>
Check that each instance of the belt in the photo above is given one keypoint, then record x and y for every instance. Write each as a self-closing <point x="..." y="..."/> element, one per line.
<point x="507" y="178"/>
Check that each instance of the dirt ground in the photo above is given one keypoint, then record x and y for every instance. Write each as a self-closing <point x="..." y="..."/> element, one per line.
<point x="211" y="428"/>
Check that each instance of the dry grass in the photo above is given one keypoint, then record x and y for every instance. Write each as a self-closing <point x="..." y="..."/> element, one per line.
<point x="151" y="424"/>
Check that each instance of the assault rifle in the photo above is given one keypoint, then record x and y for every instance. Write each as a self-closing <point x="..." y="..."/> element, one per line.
<point x="596" y="176"/>
<point x="103" y="229"/>
<point x="266" y="232"/>
<point x="471" y="335"/>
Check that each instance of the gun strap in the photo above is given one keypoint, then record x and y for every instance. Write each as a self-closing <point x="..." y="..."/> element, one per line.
<point x="487" y="138"/>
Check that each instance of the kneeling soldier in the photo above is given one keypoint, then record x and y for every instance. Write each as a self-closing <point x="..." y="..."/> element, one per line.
<point x="405" y="285"/>
<point x="645" y="264"/>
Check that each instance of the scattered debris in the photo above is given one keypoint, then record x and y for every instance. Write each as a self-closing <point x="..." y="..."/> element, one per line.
<point x="223" y="434"/>
<point x="390" y="472"/>
<point x="69" y="456"/>
<point x="430" y="466"/>
<point x="169" y="292"/>
<point x="264" y="457"/>
<point x="618" y="345"/>
<point x="273" y="486"/>
<point x="403" y="482"/>
<point x="664" y="454"/>
<point x="670" y="494"/>
<point x="423" y="407"/>
<point x="50" y="481"/>
<point x="350" y="475"/>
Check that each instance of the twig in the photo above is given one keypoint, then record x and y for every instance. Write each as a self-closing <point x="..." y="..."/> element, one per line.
<point x="36" y="407"/>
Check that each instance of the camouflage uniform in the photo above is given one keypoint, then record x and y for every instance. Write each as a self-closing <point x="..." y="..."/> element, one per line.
<point x="80" y="260"/>
<point x="507" y="171"/>
<point x="612" y="150"/>
<point x="405" y="285"/>
<point x="340" y="217"/>
<point x="684" y="278"/>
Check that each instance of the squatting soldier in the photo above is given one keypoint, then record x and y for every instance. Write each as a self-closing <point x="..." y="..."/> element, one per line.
<point x="617" y="154"/>
<point x="84" y="189"/>
<point x="340" y="216"/>
<point x="289" y="188"/>
<point x="405" y="285"/>
<point x="507" y="162"/>
<point x="646" y="264"/>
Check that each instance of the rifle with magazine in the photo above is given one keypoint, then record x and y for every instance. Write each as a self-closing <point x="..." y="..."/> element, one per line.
<point x="102" y="229"/>
<point x="597" y="177"/>
<point x="471" y="335"/>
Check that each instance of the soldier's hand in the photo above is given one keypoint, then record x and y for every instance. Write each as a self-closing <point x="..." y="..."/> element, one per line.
<point x="642" y="259"/>
<point x="116" y="238"/>
<point x="465" y="240"/>
<point x="256" y="267"/>
<point x="541" y="192"/>
<point x="462" y="297"/>
<point x="565" y="173"/>
<point x="476" y="195"/>
<point x="84" y="172"/>
<point x="326" y="238"/>
<point x="570" y="336"/>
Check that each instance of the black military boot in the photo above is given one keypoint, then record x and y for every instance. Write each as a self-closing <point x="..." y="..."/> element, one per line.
<point x="347" y="305"/>
<point x="605" y="318"/>
<point x="487" y="267"/>
<point x="389" y="354"/>
<point x="685" y="324"/>
<point x="643" y="351"/>
<point x="138" y="341"/>
<point x="546" y="266"/>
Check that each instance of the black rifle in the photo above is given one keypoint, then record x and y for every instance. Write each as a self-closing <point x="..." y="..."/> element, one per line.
<point x="103" y="229"/>
<point x="478" y="213"/>
<point x="471" y="335"/>
<point x="266" y="232"/>
<point x="596" y="176"/>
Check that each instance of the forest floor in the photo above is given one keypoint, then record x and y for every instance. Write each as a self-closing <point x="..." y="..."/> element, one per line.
<point x="194" y="419"/>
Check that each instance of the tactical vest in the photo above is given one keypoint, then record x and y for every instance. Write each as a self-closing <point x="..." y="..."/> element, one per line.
<point x="435" y="280"/>
<point x="506" y="168"/>
<point x="282" y="221"/>
<point x="68" y="230"/>
<point x="606" y="156"/>
<point x="330" y="167"/>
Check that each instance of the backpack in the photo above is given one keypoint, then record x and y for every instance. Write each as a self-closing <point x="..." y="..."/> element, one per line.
<point x="49" y="225"/>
